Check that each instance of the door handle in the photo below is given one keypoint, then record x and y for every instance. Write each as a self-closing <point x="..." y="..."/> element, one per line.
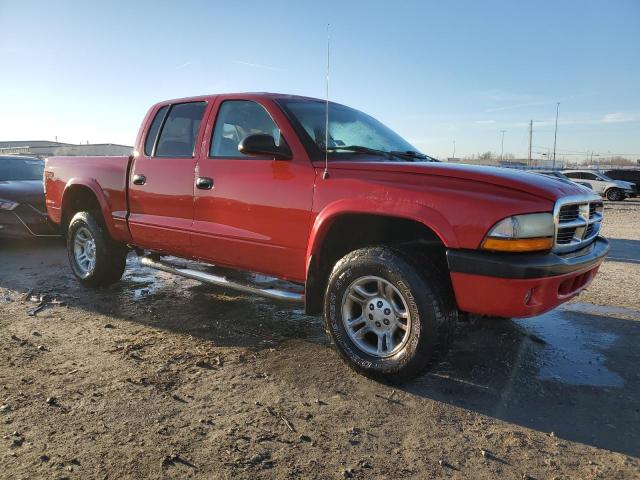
<point x="204" y="183"/>
<point x="139" y="179"/>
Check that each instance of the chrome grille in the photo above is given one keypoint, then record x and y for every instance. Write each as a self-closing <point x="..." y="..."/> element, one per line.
<point x="568" y="213"/>
<point x="577" y="222"/>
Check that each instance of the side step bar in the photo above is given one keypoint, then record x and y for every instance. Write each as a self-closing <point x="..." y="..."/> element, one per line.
<point x="297" y="297"/>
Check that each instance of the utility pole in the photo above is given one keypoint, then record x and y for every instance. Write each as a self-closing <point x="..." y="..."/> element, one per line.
<point x="502" y="147"/>
<point x="454" y="149"/>
<point x="530" y="139"/>
<point x="555" y="136"/>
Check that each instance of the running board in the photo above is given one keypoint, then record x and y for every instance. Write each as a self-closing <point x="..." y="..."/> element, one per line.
<point x="222" y="281"/>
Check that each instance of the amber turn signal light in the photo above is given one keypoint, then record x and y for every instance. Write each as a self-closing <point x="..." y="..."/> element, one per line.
<point x="517" y="244"/>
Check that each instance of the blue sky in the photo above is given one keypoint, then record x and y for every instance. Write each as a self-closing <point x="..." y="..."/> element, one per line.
<point x="433" y="71"/>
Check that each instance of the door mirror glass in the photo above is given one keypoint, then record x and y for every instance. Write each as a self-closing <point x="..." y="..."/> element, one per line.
<point x="262" y="144"/>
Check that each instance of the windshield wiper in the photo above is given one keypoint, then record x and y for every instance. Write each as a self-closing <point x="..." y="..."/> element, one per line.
<point x="401" y="154"/>
<point x="413" y="155"/>
<point x="361" y="149"/>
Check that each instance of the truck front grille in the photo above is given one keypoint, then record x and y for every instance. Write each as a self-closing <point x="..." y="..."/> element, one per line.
<point x="577" y="222"/>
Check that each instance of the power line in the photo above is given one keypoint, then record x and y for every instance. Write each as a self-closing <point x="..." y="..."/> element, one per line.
<point x="584" y="152"/>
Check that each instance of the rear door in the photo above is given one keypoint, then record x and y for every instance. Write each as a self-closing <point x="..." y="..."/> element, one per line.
<point x="162" y="177"/>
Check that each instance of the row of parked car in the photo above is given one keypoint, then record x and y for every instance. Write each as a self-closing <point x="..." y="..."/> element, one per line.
<point x="23" y="212"/>
<point x="615" y="185"/>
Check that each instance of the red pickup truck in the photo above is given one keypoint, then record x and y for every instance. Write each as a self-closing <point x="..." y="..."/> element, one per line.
<point x="389" y="244"/>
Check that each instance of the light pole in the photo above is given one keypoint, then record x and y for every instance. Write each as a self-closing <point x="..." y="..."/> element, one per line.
<point x="555" y="136"/>
<point x="530" y="140"/>
<point x="454" y="150"/>
<point x="502" y="147"/>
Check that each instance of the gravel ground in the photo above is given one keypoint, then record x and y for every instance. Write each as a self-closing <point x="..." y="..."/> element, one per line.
<point x="618" y="281"/>
<point x="161" y="377"/>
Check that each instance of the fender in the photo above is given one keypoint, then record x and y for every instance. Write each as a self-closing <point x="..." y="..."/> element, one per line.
<point x="114" y="231"/>
<point x="428" y="216"/>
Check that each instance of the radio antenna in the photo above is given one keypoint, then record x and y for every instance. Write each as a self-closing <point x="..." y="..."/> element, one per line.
<point x="325" y="175"/>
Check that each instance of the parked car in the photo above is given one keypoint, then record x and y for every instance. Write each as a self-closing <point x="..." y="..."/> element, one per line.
<point x="22" y="210"/>
<point x="614" y="190"/>
<point x="627" y="175"/>
<point x="559" y="175"/>
<point x="388" y="245"/>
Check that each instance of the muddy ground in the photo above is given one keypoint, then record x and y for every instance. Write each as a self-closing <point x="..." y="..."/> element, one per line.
<point x="161" y="377"/>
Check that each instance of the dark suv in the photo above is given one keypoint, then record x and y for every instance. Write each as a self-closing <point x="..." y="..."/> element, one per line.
<point x="628" y="175"/>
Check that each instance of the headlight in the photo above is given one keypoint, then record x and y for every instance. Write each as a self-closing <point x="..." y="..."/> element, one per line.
<point x="521" y="233"/>
<point x="7" y="204"/>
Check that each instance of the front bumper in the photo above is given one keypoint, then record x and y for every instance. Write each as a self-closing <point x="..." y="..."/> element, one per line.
<point x="521" y="285"/>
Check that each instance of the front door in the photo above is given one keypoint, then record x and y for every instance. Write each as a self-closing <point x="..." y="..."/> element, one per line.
<point x="162" y="179"/>
<point x="256" y="215"/>
<point x="597" y="183"/>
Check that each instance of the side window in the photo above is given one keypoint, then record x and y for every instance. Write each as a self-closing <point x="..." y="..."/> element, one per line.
<point x="152" y="134"/>
<point x="178" y="135"/>
<point x="590" y="176"/>
<point x="573" y="174"/>
<point x="236" y="120"/>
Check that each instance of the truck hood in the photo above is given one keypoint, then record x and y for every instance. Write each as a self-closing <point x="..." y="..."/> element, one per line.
<point x="539" y="185"/>
<point x="21" y="190"/>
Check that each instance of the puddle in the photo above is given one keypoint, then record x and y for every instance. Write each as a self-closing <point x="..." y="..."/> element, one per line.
<point x="574" y="354"/>
<point x="605" y="310"/>
<point x="144" y="281"/>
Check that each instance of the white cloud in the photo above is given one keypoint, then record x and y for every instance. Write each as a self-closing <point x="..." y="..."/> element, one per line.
<point x="186" y="64"/>
<point x="620" y="117"/>
<point x="485" y="122"/>
<point x="256" y="65"/>
<point x="514" y="106"/>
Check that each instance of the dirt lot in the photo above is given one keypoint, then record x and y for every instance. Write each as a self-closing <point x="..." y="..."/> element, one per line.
<point x="161" y="377"/>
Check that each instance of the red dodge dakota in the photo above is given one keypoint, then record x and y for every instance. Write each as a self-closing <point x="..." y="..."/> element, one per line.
<point x="388" y="243"/>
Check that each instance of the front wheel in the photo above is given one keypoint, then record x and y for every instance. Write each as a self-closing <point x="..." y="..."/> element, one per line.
<point x="615" y="195"/>
<point x="96" y="260"/>
<point x="388" y="318"/>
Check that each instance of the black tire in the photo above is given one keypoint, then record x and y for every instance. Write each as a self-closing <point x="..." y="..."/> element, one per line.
<point x="428" y="298"/>
<point x="615" y="195"/>
<point x="110" y="256"/>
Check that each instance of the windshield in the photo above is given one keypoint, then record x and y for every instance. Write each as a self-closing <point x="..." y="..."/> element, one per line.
<point x="347" y="128"/>
<point x="21" y="169"/>
<point x="604" y="177"/>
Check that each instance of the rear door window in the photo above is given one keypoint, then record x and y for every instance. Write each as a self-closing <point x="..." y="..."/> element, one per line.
<point x="152" y="134"/>
<point x="180" y="129"/>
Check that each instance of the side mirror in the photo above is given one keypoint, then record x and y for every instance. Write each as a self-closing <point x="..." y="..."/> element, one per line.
<point x="263" y="144"/>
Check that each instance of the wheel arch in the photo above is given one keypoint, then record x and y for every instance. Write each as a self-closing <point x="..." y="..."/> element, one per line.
<point x="337" y="231"/>
<point x="611" y="188"/>
<point x="84" y="195"/>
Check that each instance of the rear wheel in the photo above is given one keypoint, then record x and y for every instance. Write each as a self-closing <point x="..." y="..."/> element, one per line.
<point x="388" y="318"/>
<point x="615" y="195"/>
<point x="96" y="260"/>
